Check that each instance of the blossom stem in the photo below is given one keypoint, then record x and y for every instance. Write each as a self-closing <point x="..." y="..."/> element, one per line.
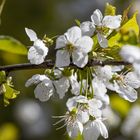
<point x="50" y="64"/>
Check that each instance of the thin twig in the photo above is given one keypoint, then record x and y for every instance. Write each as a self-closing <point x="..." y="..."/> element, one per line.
<point x="50" y="64"/>
<point x="1" y="8"/>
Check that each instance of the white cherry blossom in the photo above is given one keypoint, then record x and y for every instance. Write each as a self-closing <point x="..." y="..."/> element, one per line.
<point x="73" y="44"/>
<point x="38" y="51"/>
<point x="125" y="85"/>
<point x="93" y="106"/>
<point x="44" y="89"/>
<point x="97" y="20"/>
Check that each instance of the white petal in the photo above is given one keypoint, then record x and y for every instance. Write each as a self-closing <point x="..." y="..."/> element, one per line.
<point x="130" y="54"/>
<point x="44" y="91"/>
<point x="79" y="59"/>
<point x="87" y="28"/>
<point x="35" y="79"/>
<point x="73" y="34"/>
<point x="128" y="93"/>
<point x="90" y="131"/>
<point x="96" y="113"/>
<point x="132" y="80"/>
<point x="74" y="129"/>
<point x="117" y="68"/>
<point x="94" y="108"/>
<point x="31" y="34"/>
<point x="36" y="56"/>
<point x="81" y="99"/>
<point x="83" y="116"/>
<point x="112" y="22"/>
<point x="102" y="40"/>
<point x="62" y="58"/>
<point x="40" y="46"/>
<point x="96" y="84"/>
<point x="97" y="17"/>
<point x="84" y="44"/>
<point x="102" y="128"/>
<point x="62" y="86"/>
<point x="75" y="86"/>
<point x="137" y="69"/>
<point x="104" y="72"/>
<point x="94" y="103"/>
<point x="71" y="103"/>
<point x="61" y="42"/>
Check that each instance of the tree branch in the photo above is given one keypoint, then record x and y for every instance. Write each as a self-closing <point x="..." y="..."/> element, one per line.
<point x="50" y="64"/>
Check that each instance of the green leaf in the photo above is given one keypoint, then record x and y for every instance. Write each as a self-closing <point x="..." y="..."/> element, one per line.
<point x="12" y="45"/>
<point x="9" y="94"/>
<point x="110" y="9"/>
<point x="77" y="22"/>
<point x="125" y="14"/>
<point x="2" y="76"/>
<point x="130" y="25"/>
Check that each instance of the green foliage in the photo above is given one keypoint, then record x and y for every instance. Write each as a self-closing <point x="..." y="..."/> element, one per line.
<point x="2" y="76"/>
<point x="129" y="27"/>
<point x="125" y="14"/>
<point x="9" y="94"/>
<point x="77" y="22"/>
<point x="11" y="45"/>
<point x="6" y="88"/>
<point x="110" y="9"/>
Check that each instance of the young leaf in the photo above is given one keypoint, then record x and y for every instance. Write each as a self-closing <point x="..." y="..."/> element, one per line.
<point x="12" y="45"/>
<point x="2" y="76"/>
<point x="110" y="9"/>
<point x="77" y="22"/>
<point x="130" y="25"/>
<point x="9" y="94"/>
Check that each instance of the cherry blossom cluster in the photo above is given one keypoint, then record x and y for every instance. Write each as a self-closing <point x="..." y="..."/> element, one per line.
<point x="87" y="86"/>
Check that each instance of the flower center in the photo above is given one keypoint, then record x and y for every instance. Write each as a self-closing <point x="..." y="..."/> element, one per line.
<point x="70" y="47"/>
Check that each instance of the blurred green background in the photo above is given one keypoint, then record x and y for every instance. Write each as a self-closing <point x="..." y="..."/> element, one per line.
<point x="26" y="118"/>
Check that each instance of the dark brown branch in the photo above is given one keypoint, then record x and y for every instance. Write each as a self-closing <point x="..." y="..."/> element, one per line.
<point x="50" y="64"/>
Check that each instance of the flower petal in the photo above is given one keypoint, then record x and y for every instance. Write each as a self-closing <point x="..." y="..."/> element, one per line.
<point x="130" y="53"/>
<point x="112" y="22"/>
<point x="71" y="103"/>
<point x="74" y="129"/>
<point x="44" y="90"/>
<point x="128" y="93"/>
<point x="83" y="116"/>
<point x="61" y="42"/>
<point x="62" y="85"/>
<point x="35" y="56"/>
<point x="73" y="34"/>
<point x="97" y="17"/>
<point x="84" y="44"/>
<point x="102" y="128"/>
<point x="132" y="80"/>
<point x="102" y="40"/>
<point x="79" y="59"/>
<point x="35" y="79"/>
<point x="75" y="86"/>
<point x="90" y="131"/>
<point x="62" y="58"/>
<point x="31" y="34"/>
<point x="87" y="28"/>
